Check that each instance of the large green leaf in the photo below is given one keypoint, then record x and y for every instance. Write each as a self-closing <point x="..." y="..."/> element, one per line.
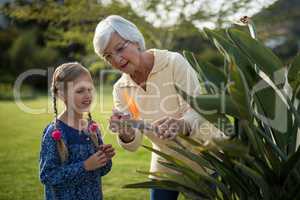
<point x="183" y="180"/>
<point x="165" y="184"/>
<point x="257" y="178"/>
<point x="258" y="54"/>
<point x="292" y="181"/>
<point x="271" y="143"/>
<point x="233" y="148"/>
<point x="273" y="111"/>
<point x="254" y="140"/>
<point x="229" y="175"/>
<point x="192" y="156"/>
<point x="215" y="109"/>
<point x="207" y="105"/>
<point x="198" y="178"/>
<point x="290" y="164"/>
<point x="225" y="46"/>
<point x="180" y="165"/>
<point x="239" y="90"/>
<point x="211" y="76"/>
<point x="294" y="76"/>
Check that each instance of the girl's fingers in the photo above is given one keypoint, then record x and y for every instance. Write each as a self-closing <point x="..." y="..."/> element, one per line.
<point x="110" y="155"/>
<point x="101" y="157"/>
<point x="106" y="146"/>
<point x="99" y="153"/>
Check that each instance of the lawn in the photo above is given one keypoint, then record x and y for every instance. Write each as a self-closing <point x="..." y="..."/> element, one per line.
<point x="21" y="133"/>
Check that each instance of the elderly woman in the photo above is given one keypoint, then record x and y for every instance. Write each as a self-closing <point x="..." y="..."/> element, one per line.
<point x="149" y="78"/>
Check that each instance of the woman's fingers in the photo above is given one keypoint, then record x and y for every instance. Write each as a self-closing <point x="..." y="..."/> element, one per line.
<point x="114" y="126"/>
<point x="160" y="121"/>
<point x="167" y="127"/>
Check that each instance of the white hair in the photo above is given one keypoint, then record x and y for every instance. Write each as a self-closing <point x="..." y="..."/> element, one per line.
<point x="114" y="23"/>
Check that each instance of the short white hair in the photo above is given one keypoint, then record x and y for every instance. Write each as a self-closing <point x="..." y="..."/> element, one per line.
<point x="114" y="23"/>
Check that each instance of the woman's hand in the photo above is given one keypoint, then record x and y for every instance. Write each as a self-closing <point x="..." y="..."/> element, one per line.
<point x="95" y="161"/>
<point x="108" y="150"/>
<point x="126" y="133"/>
<point x="168" y="127"/>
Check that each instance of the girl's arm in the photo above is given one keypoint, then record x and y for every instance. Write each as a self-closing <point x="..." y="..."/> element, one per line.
<point x="52" y="172"/>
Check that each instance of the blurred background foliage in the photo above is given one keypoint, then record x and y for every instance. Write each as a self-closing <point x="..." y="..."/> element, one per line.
<point x="40" y="34"/>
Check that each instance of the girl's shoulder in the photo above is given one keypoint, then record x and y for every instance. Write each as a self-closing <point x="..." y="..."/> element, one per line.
<point x="50" y="128"/>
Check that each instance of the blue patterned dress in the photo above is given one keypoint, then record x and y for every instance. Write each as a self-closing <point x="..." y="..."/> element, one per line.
<point x="69" y="180"/>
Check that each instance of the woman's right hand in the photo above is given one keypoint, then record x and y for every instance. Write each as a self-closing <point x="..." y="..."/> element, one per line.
<point x="95" y="161"/>
<point x="126" y="133"/>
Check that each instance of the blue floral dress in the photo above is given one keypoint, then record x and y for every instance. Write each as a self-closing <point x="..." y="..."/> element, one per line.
<point x="69" y="180"/>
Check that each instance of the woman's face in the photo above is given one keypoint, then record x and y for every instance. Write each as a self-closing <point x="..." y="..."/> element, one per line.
<point x="122" y="54"/>
<point x="80" y="94"/>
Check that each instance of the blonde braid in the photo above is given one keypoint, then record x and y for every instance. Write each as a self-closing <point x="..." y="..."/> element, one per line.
<point x="61" y="147"/>
<point x="93" y="135"/>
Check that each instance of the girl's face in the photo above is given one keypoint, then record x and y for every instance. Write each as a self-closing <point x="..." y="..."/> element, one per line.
<point x="80" y="94"/>
<point x="122" y="54"/>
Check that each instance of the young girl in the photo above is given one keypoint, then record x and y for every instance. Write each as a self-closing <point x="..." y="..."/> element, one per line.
<point x="73" y="157"/>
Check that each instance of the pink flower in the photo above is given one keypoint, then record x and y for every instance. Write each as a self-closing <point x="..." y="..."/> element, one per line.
<point x="93" y="127"/>
<point x="56" y="134"/>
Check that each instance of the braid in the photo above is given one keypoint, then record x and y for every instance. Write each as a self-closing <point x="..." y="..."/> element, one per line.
<point x="55" y="107"/>
<point x="90" y="119"/>
<point x="93" y="135"/>
<point x="61" y="146"/>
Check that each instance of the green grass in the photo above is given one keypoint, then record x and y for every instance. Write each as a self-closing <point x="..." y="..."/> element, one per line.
<point x="21" y="133"/>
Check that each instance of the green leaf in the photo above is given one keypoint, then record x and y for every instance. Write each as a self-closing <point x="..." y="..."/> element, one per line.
<point x="192" y="156"/>
<point x="257" y="178"/>
<point x="258" y="54"/>
<point x="164" y="184"/>
<point x="229" y="175"/>
<point x="294" y="76"/>
<point x="254" y="140"/>
<point x="232" y="147"/>
<point x="183" y="180"/>
<point x="291" y="183"/>
<point x="203" y="163"/>
<point x="275" y="111"/>
<point x="198" y="178"/>
<point x="271" y="143"/>
<point x="238" y="90"/>
<point x="210" y="104"/>
<point x="211" y="76"/>
<point x="290" y="164"/>
<point x="226" y="47"/>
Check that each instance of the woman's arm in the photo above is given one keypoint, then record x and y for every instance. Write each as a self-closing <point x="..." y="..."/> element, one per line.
<point x="186" y="78"/>
<point x="129" y="139"/>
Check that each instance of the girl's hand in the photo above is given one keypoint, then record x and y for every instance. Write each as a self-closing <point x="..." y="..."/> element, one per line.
<point x="125" y="133"/>
<point x="168" y="127"/>
<point x="95" y="161"/>
<point x="108" y="150"/>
